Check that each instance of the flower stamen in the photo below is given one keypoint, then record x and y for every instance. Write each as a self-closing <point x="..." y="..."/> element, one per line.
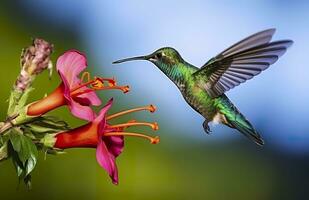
<point x="85" y="75"/>
<point x="150" y="108"/>
<point x="124" y="89"/>
<point x="154" y="125"/>
<point x="83" y="85"/>
<point x="111" y="81"/>
<point x="153" y="140"/>
<point x="124" y="127"/>
<point x="97" y="83"/>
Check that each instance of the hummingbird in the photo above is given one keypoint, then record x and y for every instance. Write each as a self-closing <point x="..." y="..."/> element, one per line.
<point x="204" y="88"/>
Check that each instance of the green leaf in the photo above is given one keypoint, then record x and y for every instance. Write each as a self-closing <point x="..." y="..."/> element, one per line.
<point x="16" y="161"/>
<point x="30" y="155"/>
<point x="39" y="128"/>
<point x="4" y="138"/>
<point x="54" y="122"/>
<point x="19" y="169"/>
<point x="18" y="100"/>
<point x="27" y="181"/>
<point x="26" y="150"/>
<point x="55" y="151"/>
<point x="23" y="99"/>
<point x="46" y="124"/>
<point x="30" y="164"/>
<point x="15" y="138"/>
<point x="4" y="151"/>
<point x="23" y="171"/>
<point x="14" y="97"/>
<point x="4" y="154"/>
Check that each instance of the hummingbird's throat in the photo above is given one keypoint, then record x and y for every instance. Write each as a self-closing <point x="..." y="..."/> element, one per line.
<point x="97" y="83"/>
<point x="118" y="129"/>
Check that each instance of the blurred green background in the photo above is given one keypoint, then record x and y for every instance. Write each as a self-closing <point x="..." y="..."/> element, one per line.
<point x="180" y="166"/>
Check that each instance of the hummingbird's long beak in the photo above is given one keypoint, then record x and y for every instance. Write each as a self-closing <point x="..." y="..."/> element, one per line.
<point x="133" y="58"/>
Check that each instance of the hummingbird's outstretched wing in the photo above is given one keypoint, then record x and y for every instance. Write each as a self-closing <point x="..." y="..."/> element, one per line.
<point x="240" y="62"/>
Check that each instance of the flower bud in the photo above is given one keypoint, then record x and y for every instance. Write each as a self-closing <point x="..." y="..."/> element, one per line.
<point x="34" y="60"/>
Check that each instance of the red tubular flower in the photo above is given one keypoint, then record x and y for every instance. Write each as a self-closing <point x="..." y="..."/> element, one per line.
<point x="76" y="93"/>
<point x="106" y="138"/>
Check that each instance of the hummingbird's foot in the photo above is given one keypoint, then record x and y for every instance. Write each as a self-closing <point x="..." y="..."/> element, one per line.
<point x="206" y="127"/>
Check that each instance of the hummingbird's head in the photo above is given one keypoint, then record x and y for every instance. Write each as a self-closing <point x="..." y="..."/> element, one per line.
<point x="165" y="56"/>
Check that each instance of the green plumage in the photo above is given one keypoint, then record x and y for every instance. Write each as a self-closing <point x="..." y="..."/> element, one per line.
<point x="182" y="75"/>
<point x="203" y="88"/>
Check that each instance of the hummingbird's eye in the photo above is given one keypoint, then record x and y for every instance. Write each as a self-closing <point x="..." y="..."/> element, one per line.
<point x="159" y="55"/>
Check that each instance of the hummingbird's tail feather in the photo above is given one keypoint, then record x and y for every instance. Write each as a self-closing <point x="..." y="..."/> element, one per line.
<point x="234" y="119"/>
<point x="243" y="125"/>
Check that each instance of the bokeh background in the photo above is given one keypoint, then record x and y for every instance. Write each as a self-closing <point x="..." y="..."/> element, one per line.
<point x="187" y="164"/>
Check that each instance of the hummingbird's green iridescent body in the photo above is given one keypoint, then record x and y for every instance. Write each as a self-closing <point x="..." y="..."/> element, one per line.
<point x="203" y="88"/>
<point x="180" y="72"/>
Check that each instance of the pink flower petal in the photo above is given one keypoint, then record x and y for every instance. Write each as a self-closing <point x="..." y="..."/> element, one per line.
<point x="82" y="101"/>
<point x="101" y="116"/>
<point x="114" y="144"/>
<point x="107" y="161"/>
<point x="82" y="112"/>
<point x="92" y="98"/>
<point x="78" y="110"/>
<point x="71" y="64"/>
